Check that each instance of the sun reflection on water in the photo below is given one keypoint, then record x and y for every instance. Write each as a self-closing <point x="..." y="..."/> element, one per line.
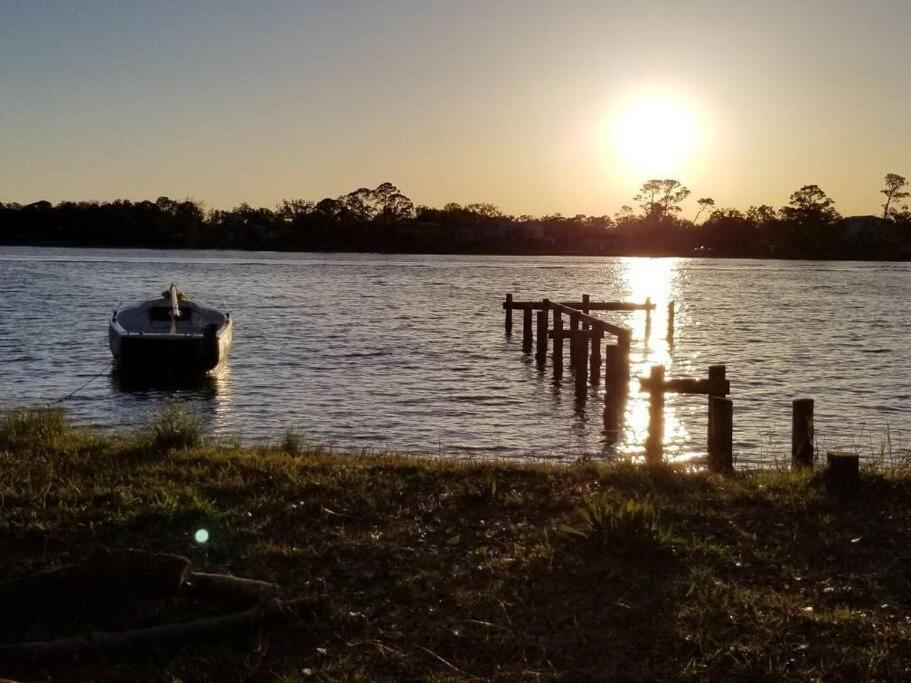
<point x="656" y="279"/>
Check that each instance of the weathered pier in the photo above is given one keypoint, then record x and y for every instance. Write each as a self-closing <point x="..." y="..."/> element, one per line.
<point x="572" y="321"/>
<point x="584" y="333"/>
<point x="842" y="467"/>
<point x="721" y="412"/>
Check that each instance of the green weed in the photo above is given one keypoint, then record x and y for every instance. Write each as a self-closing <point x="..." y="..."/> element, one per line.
<point x="618" y="527"/>
<point x="32" y="427"/>
<point x="292" y="443"/>
<point x="175" y="430"/>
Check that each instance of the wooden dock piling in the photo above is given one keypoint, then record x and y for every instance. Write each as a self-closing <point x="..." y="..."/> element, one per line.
<point x="671" y="310"/>
<point x="802" y="432"/>
<point x="508" y="307"/>
<point x="526" y="331"/>
<point x="541" y="349"/>
<point x="648" y="317"/>
<point x="558" y="344"/>
<point x="611" y="369"/>
<point x="586" y="300"/>
<point x="624" y="342"/>
<point x="573" y="328"/>
<point x="717" y="387"/>
<point x="654" y="445"/>
<point x="721" y="434"/>
<point x="721" y="418"/>
<point x="594" y="367"/>
<point x="580" y="349"/>
<point x="842" y="471"/>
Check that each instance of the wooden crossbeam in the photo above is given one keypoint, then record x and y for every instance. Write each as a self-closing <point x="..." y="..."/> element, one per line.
<point x="510" y="305"/>
<point x="567" y="334"/>
<point x="620" y="331"/>
<point x="686" y="385"/>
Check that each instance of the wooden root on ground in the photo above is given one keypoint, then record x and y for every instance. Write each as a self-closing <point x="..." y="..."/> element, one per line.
<point x="108" y="575"/>
<point x="232" y="624"/>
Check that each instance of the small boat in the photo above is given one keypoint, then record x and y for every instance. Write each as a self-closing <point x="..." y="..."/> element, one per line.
<point x="170" y="334"/>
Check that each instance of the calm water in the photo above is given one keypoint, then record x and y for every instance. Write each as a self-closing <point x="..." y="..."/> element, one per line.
<point x="408" y="352"/>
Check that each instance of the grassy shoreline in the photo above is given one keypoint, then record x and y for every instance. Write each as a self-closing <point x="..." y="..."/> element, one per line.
<point x="454" y="571"/>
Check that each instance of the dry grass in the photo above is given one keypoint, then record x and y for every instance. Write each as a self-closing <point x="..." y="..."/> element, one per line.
<point x="451" y="571"/>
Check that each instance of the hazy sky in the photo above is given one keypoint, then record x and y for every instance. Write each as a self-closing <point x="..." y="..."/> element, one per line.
<point x="513" y="103"/>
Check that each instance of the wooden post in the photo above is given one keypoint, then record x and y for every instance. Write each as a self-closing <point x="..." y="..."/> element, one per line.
<point x="509" y="314"/>
<point x="721" y="419"/>
<point x="623" y="343"/>
<point x="558" y="344"/>
<point x="654" y="446"/>
<point x="573" y="327"/>
<point x="802" y="434"/>
<point x="717" y="374"/>
<point x="594" y="368"/>
<point x="580" y="346"/>
<point x="611" y="385"/>
<point x="843" y="471"/>
<point x="526" y="331"/>
<point x="541" y="351"/>
<point x="585" y="309"/>
<point x="648" y="317"/>
<point x="613" y="412"/>
<point x="670" y="321"/>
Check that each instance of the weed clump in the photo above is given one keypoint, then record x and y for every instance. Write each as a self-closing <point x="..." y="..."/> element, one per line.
<point x="618" y="527"/>
<point x="25" y="428"/>
<point x="292" y="444"/>
<point x="175" y="430"/>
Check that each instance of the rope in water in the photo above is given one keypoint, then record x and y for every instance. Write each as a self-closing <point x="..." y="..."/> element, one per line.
<point x="84" y="384"/>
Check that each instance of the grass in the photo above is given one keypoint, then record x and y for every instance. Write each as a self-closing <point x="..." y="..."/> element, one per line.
<point x="618" y="526"/>
<point x="454" y="571"/>
<point x="174" y="429"/>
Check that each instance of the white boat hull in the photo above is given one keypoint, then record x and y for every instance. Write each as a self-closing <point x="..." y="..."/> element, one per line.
<point x="143" y="340"/>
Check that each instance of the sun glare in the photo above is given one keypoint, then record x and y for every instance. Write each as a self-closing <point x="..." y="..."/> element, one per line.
<point x="655" y="135"/>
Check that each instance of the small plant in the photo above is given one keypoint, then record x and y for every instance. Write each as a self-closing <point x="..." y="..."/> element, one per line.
<point x="292" y="444"/>
<point x="22" y="428"/>
<point x="175" y="429"/>
<point x="619" y="527"/>
<point x="482" y="490"/>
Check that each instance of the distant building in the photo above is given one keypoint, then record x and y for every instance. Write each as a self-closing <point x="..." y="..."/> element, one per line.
<point x="863" y="228"/>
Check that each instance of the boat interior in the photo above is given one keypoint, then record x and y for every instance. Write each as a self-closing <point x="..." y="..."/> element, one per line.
<point x="155" y="317"/>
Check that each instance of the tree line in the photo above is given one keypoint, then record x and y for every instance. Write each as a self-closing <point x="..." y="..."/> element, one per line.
<point x="383" y="219"/>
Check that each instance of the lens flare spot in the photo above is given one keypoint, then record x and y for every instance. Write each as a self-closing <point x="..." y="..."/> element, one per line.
<point x="201" y="536"/>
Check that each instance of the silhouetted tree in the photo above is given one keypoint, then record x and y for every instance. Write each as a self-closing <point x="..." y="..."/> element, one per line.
<point x="809" y="216"/>
<point x="661" y="198"/>
<point x="384" y="219"/>
<point x="704" y="203"/>
<point x="894" y="185"/>
<point x="810" y="205"/>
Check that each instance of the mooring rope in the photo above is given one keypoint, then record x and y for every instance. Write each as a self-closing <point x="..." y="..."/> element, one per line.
<point x="70" y="395"/>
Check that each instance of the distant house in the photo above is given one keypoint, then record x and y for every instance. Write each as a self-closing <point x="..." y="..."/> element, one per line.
<point x="863" y="228"/>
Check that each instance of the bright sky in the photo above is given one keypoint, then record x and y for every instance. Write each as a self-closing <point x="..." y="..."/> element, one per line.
<point x="537" y="107"/>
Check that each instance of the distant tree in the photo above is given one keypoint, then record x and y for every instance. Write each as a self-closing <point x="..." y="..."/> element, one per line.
<point x="290" y="209"/>
<point x="360" y="205"/>
<point x="810" y="206"/>
<point x="762" y="215"/>
<point x="625" y="214"/>
<point x="894" y="185"/>
<point x="485" y="210"/>
<point x="392" y="206"/>
<point x="704" y="204"/>
<point x="661" y="198"/>
<point x="807" y="220"/>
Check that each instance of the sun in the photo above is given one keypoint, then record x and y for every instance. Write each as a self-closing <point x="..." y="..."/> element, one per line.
<point x="655" y="135"/>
